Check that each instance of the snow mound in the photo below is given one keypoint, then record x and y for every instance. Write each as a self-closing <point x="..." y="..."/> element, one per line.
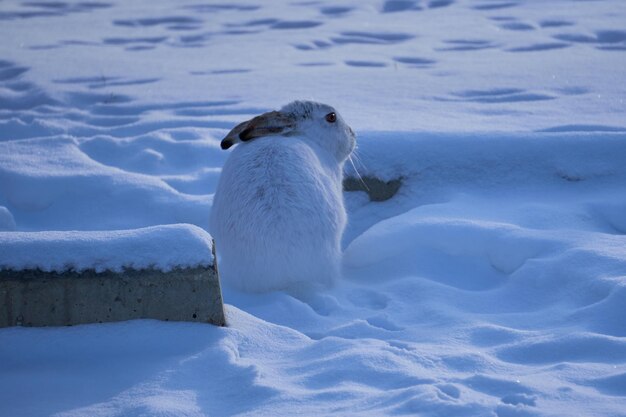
<point x="160" y="247"/>
<point x="53" y="184"/>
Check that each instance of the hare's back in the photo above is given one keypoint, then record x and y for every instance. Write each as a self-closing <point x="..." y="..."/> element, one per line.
<point x="280" y="182"/>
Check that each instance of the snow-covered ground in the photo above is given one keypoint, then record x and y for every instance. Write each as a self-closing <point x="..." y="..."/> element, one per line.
<point x="492" y="284"/>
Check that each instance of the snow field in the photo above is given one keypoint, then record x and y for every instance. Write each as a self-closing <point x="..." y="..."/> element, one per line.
<point x="492" y="284"/>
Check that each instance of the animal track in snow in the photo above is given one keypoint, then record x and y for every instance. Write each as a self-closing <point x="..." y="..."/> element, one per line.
<point x="517" y="26"/>
<point x="554" y="23"/>
<point x="415" y="62"/>
<point x="166" y="21"/>
<point x="467" y="45"/>
<point x="118" y="82"/>
<point x="221" y="71"/>
<point x="10" y="71"/>
<point x="38" y="9"/>
<point x="335" y="11"/>
<point x="295" y="24"/>
<point x="538" y="47"/>
<point x="498" y="95"/>
<point x="213" y="8"/>
<point x="435" y="4"/>
<point x="394" y="6"/>
<point x="19" y="95"/>
<point x="495" y="6"/>
<point x="135" y="41"/>
<point x="272" y="23"/>
<point x="584" y="128"/>
<point x="356" y="37"/>
<point x="603" y="39"/>
<point x="372" y="38"/>
<point x="366" y="64"/>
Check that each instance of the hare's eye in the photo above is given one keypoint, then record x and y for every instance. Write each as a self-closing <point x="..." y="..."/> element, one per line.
<point x="331" y="117"/>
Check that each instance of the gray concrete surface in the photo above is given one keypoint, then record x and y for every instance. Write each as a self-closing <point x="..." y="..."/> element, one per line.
<point x="38" y="298"/>
<point x="376" y="189"/>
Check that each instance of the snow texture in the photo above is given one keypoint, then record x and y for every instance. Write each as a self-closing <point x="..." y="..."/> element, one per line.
<point x="492" y="284"/>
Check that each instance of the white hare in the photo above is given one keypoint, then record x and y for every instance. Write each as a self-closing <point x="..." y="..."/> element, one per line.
<point x="278" y="213"/>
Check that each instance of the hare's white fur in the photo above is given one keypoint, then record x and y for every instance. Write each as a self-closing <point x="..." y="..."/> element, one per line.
<point x="278" y="213"/>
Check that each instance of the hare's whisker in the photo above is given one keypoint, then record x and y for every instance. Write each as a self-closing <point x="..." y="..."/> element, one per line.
<point x="357" y="173"/>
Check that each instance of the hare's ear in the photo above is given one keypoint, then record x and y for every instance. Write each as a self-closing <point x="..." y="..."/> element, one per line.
<point x="272" y="123"/>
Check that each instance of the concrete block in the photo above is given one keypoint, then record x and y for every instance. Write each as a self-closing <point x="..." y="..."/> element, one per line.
<point x="38" y="298"/>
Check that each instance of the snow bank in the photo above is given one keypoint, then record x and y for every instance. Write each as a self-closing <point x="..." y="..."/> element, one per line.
<point x="541" y="180"/>
<point x="53" y="184"/>
<point x="161" y="247"/>
<point x="477" y="160"/>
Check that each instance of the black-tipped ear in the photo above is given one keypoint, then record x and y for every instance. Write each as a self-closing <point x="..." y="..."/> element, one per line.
<point x="233" y="136"/>
<point x="226" y="143"/>
<point x="271" y="123"/>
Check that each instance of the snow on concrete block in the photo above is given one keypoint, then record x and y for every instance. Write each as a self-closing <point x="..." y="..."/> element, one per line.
<point x="67" y="278"/>
<point x="162" y="247"/>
